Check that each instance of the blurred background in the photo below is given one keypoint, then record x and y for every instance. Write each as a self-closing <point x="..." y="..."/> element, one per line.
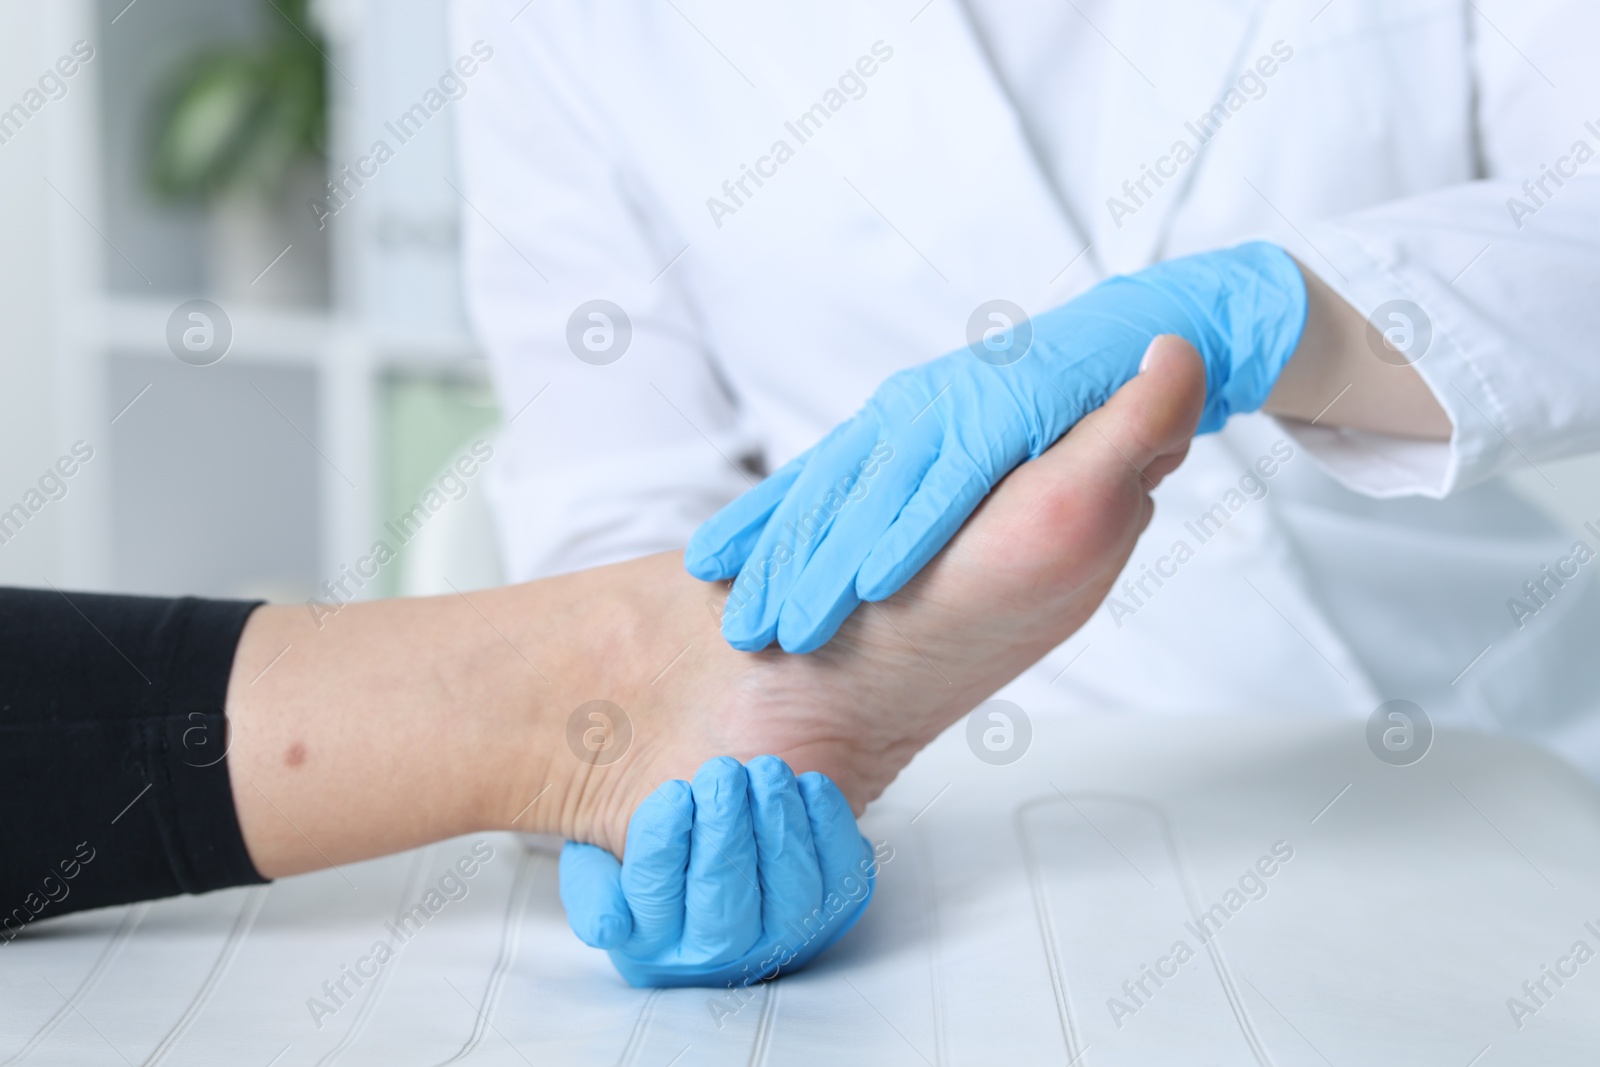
<point x="185" y="157"/>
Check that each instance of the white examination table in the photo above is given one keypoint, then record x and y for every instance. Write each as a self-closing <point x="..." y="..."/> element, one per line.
<point x="1417" y="901"/>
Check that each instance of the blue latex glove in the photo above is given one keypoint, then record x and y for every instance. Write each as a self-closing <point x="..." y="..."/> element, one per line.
<point x="726" y="881"/>
<point x="865" y="509"/>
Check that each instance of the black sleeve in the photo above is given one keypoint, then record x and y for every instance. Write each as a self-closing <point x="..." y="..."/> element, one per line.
<point x="113" y="771"/>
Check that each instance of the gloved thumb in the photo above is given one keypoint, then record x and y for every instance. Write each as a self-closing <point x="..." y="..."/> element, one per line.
<point x="591" y="891"/>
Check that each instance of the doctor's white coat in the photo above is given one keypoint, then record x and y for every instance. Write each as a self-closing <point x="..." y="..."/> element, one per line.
<point x="791" y="201"/>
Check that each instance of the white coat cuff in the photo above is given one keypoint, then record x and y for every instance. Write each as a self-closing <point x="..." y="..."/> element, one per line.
<point x="1381" y="465"/>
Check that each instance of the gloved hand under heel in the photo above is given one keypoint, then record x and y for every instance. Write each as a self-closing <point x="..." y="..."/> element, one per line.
<point x="866" y="508"/>
<point x="745" y="873"/>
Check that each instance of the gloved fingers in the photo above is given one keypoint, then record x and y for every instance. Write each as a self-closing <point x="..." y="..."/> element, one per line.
<point x="845" y="858"/>
<point x="655" y="866"/>
<point x="790" y="874"/>
<point x="793" y="533"/>
<point x="723" y="542"/>
<point x="591" y="892"/>
<point x="834" y="600"/>
<point x="722" y="901"/>
<point x="951" y="491"/>
<point x="876" y="489"/>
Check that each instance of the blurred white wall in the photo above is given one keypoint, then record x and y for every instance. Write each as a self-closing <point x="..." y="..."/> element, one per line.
<point x="264" y="473"/>
<point x="49" y="265"/>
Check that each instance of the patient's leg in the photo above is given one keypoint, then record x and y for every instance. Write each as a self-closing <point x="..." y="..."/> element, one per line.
<point x="401" y="722"/>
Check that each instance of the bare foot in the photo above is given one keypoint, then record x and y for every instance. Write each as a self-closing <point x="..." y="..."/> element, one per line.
<point x="400" y="722"/>
<point x="1026" y="571"/>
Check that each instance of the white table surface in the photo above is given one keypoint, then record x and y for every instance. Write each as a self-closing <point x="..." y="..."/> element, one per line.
<point x="1018" y="900"/>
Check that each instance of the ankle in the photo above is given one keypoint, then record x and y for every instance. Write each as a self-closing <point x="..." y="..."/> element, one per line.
<point x="586" y="749"/>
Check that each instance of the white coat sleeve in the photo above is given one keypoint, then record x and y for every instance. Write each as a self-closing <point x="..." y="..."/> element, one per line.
<point x="597" y="462"/>
<point x="1504" y="274"/>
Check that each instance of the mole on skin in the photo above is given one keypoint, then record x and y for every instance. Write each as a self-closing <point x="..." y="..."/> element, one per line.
<point x="296" y="754"/>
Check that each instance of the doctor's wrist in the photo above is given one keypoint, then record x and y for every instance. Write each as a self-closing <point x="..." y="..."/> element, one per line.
<point x="1343" y="375"/>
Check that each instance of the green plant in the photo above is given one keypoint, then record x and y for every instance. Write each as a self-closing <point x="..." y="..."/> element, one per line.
<point x="238" y="118"/>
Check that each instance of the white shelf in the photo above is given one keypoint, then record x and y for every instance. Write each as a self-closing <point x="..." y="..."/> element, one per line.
<point x="278" y="335"/>
<point x="79" y="221"/>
